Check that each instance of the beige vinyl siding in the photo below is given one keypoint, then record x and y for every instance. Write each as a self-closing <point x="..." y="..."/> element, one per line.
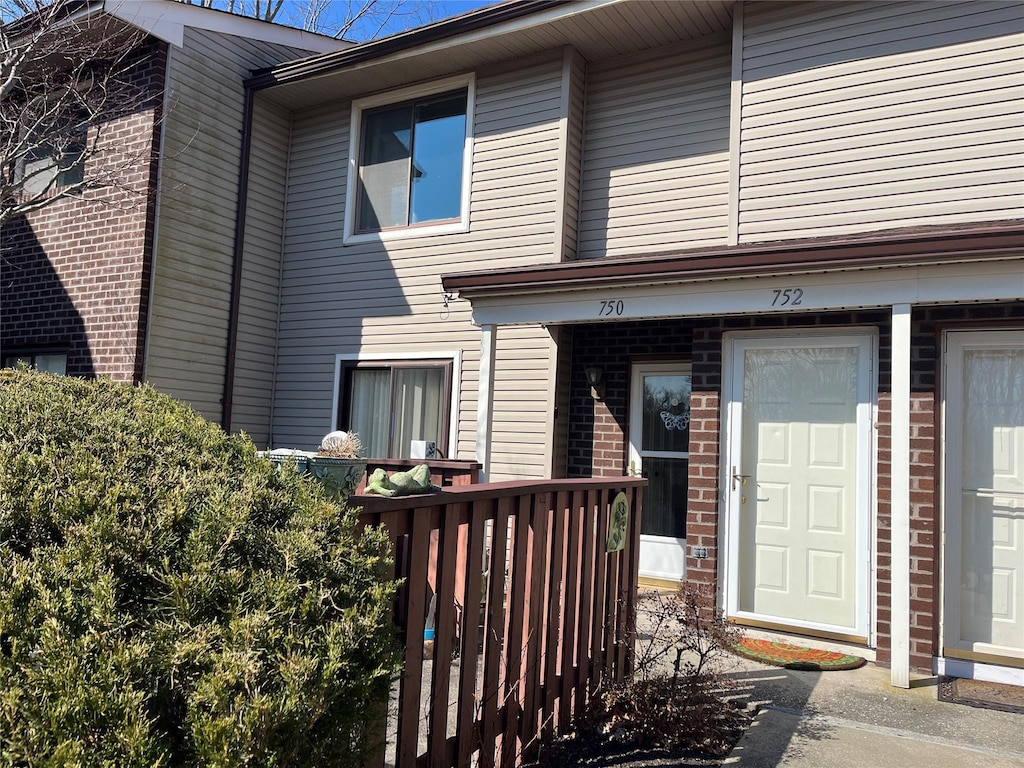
<point x="384" y="298"/>
<point x="191" y="295"/>
<point x="863" y="116"/>
<point x="256" y="345"/>
<point x="656" y="151"/>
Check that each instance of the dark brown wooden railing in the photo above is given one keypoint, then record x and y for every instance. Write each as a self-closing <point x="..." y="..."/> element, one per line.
<point x="531" y="614"/>
<point x="443" y="472"/>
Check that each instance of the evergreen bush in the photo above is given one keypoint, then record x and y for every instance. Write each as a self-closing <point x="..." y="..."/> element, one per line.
<point x="167" y="598"/>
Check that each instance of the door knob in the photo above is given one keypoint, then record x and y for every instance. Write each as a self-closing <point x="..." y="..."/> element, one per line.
<point x="738" y="478"/>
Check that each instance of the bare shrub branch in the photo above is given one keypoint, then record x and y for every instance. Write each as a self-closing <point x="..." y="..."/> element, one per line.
<point x="65" y="75"/>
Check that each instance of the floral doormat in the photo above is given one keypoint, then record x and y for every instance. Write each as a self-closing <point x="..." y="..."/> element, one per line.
<point x="978" y="693"/>
<point x="795" y="656"/>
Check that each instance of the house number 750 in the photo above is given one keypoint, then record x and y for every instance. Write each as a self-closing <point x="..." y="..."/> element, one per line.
<point x="782" y="297"/>
<point x="613" y="307"/>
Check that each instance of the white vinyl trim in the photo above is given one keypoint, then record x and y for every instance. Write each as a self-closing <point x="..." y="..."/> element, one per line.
<point x="667" y="551"/>
<point x="899" y="522"/>
<point x="714" y="297"/>
<point x="485" y="400"/>
<point x="445" y="354"/>
<point x="990" y="673"/>
<point x="355" y="142"/>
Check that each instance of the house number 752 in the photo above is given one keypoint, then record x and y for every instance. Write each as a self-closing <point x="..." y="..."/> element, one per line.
<point x="792" y="297"/>
<point x="613" y="307"/>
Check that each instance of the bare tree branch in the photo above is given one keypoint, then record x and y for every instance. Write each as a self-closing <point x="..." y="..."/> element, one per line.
<point x="64" y="76"/>
<point x="361" y="19"/>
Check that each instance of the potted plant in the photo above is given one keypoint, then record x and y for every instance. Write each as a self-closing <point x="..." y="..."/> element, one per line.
<point x="336" y="464"/>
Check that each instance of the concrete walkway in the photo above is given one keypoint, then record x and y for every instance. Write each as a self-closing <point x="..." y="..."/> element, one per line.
<point x="855" y="719"/>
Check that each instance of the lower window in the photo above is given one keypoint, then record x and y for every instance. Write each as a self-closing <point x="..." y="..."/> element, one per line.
<point x="392" y="404"/>
<point x="48" y="362"/>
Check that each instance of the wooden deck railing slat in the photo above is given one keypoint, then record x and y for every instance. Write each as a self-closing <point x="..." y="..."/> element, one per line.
<point x="409" y="696"/>
<point x="558" y="615"/>
<point x="586" y="639"/>
<point x="444" y="635"/>
<point x="466" y="732"/>
<point x="556" y="596"/>
<point x="571" y="622"/>
<point x="600" y="617"/>
<point x="494" y="632"/>
<point x="535" y="625"/>
<point x="517" y="596"/>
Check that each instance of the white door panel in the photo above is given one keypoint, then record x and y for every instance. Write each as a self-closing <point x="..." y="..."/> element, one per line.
<point x="799" y="498"/>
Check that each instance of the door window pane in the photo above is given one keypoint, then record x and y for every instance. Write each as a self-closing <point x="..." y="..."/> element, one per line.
<point x="666" y="414"/>
<point x="665" y="498"/>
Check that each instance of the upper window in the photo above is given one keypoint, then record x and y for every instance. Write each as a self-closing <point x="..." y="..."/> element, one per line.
<point x="410" y="168"/>
<point x="390" y="404"/>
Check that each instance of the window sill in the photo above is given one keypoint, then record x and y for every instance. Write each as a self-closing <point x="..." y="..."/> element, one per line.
<point x="407" y="233"/>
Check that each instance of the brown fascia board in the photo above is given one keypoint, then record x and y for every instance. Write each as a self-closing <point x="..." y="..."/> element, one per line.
<point x="946" y="244"/>
<point x="314" y="66"/>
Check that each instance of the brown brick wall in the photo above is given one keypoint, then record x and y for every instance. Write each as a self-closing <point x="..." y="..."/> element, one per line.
<point x="598" y="432"/>
<point x="75" y="275"/>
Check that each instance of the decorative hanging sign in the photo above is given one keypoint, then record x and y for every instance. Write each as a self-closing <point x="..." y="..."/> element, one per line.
<point x="617" y="528"/>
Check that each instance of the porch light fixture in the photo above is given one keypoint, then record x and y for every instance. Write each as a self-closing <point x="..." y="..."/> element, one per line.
<point x="595" y="378"/>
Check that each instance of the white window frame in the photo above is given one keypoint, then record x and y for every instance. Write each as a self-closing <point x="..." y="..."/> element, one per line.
<point x="359" y="106"/>
<point x="385" y="357"/>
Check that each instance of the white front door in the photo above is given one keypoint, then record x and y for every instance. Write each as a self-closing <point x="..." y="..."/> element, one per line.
<point x="798" y="481"/>
<point x="659" y="445"/>
<point x="983" y="619"/>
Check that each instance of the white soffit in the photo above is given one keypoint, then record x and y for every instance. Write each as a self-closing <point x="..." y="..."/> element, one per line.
<point x="995" y="280"/>
<point x="167" y="21"/>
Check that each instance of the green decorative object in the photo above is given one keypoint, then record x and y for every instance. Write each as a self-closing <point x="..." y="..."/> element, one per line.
<point x="338" y="476"/>
<point x="617" y="529"/>
<point x="416" y="480"/>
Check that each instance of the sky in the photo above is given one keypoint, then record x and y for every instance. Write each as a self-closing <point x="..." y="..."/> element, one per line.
<point x="412" y="13"/>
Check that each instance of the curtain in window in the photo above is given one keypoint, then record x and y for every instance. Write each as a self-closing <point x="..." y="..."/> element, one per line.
<point x="369" y="409"/>
<point x="418" y="407"/>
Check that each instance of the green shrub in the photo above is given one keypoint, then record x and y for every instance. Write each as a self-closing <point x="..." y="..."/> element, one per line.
<point x="167" y="598"/>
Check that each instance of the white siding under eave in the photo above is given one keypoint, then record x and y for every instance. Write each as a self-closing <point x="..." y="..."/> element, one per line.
<point x="656" y="151"/>
<point x="191" y="294"/>
<point x="256" y="344"/>
<point x="385" y="298"/>
<point x="863" y="116"/>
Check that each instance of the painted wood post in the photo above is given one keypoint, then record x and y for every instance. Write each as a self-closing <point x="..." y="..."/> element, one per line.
<point x="900" y="498"/>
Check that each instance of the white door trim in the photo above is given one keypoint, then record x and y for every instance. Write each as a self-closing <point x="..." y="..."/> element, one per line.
<point x="666" y="550"/>
<point x="732" y="390"/>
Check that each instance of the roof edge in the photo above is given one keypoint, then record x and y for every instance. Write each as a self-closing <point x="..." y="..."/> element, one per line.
<point x="992" y="240"/>
<point x="167" y="21"/>
<point x="471" y="21"/>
